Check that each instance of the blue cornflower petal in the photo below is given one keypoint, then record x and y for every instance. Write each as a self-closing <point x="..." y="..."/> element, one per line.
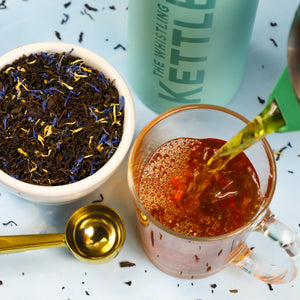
<point x="121" y="102"/>
<point x="44" y="105"/>
<point x="70" y="52"/>
<point x="31" y="119"/>
<point x="115" y="140"/>
<point x="50" y="90"/>
<point x="73" y="178"/>
<point x="53" y="124"/>
<point x="94" y="87"/>
<point x="92" y="170"/>
<point x="79" y="161"/>
<point x="71" y="93"/>
<point x="103" y="138"/>
<point x="2" y="93"/>
<point x="94" y="115"/>
<point x="45" y="55"/>
<point x="73" y="170"/>
<point x="59" y="63"/>
<point x="34" y="135"/>
<point x="110" y="152"/>
<point x="14" y="176"/>
<point x="77" y="164"/>
<point x="107" y="110"/>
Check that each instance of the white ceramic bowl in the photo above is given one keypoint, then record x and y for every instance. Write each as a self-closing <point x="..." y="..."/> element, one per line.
<point x="70" y="192"/>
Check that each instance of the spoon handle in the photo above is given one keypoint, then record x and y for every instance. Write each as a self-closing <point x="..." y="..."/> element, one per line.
<point x="18" y="243"/>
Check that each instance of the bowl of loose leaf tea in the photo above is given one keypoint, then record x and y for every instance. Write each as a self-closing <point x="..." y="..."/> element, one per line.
<point x="66" y="121"/>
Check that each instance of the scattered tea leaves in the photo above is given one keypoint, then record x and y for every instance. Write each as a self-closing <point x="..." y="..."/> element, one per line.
<point x="57" y="34"/>
<point x="196" y="257"/>
<point x="152" y="238"/>
<point x="213" y="286"/>
<point x="11" y="223"/>
<point x="274" y="42"/>
<point x="119" y="46"/>
<point x="234" y="291"/>
<point x="3" y="5"/>
<point x="124" y="264"/>
<point x="66" y="5"/>
<point x="90" y="7"/>
<point x="279" y="152"/>
<point x="80" y="37"/>
<point x="85" y="12"/>
<point x="261" y="101"/>
<point x="65" y="18"/>
<point x="101" y="198"/>
<point x="128" y="282"/>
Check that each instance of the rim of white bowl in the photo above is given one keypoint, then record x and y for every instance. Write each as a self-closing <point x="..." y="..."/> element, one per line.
<point x="60" y="193"/>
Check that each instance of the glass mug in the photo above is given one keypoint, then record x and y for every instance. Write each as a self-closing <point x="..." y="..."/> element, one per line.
<point x="196" y="257"/>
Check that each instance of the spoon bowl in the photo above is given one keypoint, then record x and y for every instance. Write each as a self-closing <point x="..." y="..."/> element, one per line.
<point x="95" y="233"/>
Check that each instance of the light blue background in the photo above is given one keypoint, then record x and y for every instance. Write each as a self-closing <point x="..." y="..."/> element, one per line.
<point x="55" y="273"/>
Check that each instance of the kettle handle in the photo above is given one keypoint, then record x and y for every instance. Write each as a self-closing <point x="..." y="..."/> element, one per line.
<point x="284" y="96"/>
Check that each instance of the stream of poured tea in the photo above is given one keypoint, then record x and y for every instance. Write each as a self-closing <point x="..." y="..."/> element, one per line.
<point x="268" y="121"/>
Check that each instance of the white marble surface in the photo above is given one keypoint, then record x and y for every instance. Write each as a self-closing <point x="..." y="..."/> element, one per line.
<point x="55" y="273"/>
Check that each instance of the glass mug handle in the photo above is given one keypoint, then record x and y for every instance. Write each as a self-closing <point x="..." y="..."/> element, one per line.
<point x="287" y="239"/>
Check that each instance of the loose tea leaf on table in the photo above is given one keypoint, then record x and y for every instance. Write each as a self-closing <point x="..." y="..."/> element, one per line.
<point x="60" y="120"/>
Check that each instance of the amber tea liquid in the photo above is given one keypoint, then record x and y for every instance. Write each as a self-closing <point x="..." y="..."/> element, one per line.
<point x="182" y="230"/>
<point x="167" y="190"/>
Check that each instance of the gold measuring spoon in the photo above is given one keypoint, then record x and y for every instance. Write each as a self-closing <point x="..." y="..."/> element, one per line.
<point x="94" y="233"/>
